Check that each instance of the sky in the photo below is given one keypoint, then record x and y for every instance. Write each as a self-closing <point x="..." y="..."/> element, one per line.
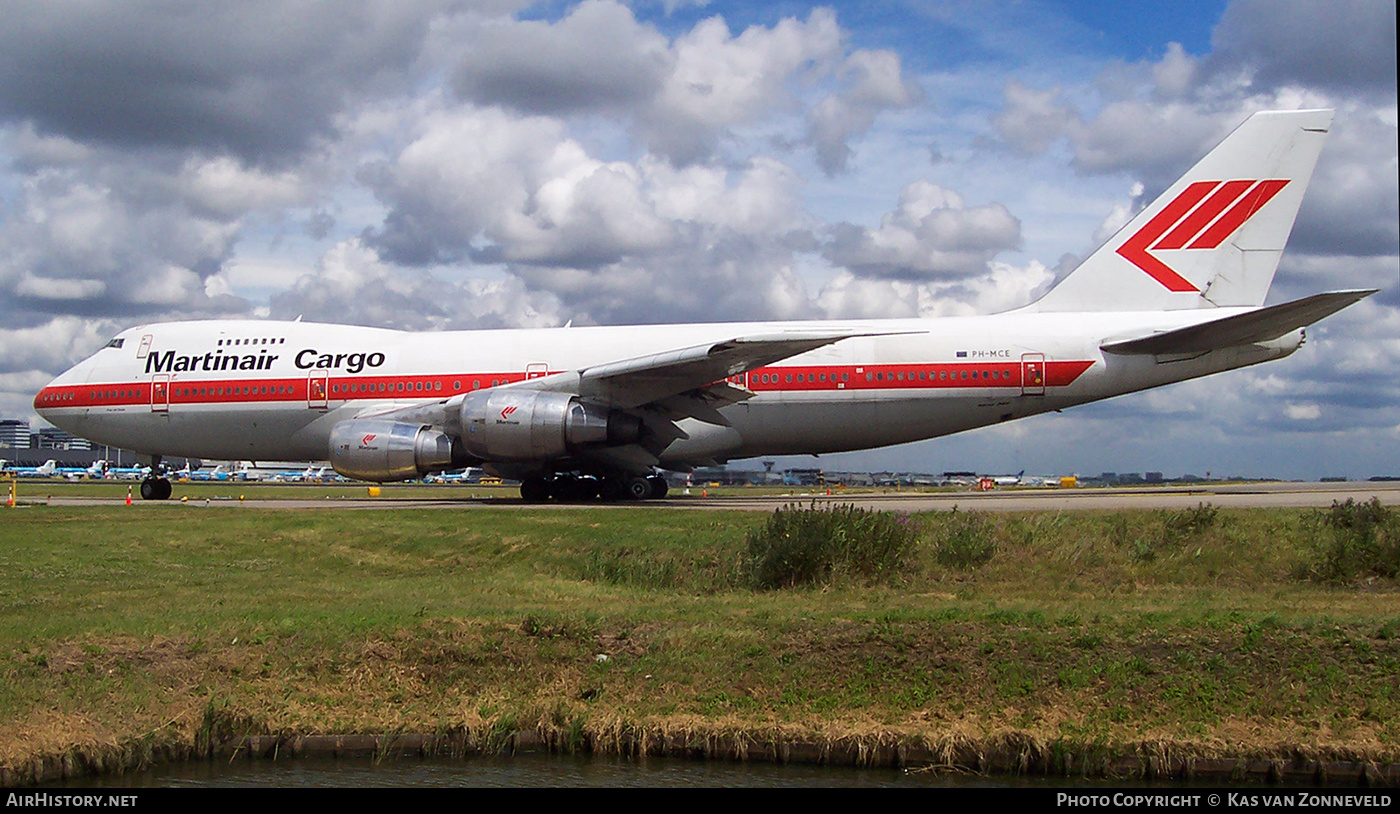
<point x="457" y="164"/>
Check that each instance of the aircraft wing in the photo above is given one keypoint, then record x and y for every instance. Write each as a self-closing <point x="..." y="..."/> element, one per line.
<point x="656" y="377"/>
<point x="1260" y="325"/>
<point x="686" y="382"/>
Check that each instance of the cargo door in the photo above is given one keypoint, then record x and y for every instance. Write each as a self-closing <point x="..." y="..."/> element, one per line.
<point x="160" y="393"/>
<point x="317" y="388"/>
<point x="1032" y="374"/>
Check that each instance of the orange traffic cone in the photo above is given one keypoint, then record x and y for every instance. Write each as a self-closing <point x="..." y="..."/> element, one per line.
<point x="128" y="495"/>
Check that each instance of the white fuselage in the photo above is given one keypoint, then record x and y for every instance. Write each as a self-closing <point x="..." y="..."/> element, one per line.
<point x="272" y="390"/>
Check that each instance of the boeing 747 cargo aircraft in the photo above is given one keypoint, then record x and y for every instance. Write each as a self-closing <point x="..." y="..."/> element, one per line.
<point x="594" y="412"/>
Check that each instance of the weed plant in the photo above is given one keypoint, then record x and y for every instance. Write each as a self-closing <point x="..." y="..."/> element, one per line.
<point x="1352" y="541"/>
<point x="1148" y="535"/>
<point x="963" y="539"/>
<point x="813" y="546"/>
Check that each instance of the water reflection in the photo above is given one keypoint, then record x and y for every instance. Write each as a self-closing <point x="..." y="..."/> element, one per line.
<point x="530" y="770"/>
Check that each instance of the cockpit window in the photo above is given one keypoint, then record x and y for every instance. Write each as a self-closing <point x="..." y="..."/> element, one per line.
<point x="115" y="343"/>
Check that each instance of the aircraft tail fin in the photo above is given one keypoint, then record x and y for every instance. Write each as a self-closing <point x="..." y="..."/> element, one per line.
<point x="1214" y="238"/>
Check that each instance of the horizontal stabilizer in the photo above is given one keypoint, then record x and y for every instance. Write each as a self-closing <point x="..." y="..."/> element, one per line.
<point x="1241" y="329"/>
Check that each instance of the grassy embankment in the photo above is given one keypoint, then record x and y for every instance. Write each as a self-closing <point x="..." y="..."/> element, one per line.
<point x="1089" y="635"/>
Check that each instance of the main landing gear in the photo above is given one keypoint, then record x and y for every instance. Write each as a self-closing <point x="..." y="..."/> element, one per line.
<point x="156" y="486"/>
<point x="587" y="488"/>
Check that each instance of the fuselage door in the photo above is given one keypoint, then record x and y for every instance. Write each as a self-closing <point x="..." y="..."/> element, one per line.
<point x="317" y="389"/>
<point x="1032" y="374"/>
<point x="160" y="393"/>
<point x="536" y="370"/>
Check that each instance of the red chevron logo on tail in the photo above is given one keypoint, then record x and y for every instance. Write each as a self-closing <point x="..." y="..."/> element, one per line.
<point x="1194" y="220"/>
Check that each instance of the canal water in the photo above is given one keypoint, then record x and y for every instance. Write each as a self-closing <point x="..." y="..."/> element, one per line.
<point x="529" y="770"/>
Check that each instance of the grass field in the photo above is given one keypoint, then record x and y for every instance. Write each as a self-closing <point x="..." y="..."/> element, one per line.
<point x="1194" y="633"/>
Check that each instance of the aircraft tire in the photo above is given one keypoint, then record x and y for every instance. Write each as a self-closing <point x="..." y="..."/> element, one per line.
<point x="571" y="489"/>
<point x="659" y="487"/>
<point x="637" y="488"/>
<point x="534" y="490"/>
<point x="610" y="490"/>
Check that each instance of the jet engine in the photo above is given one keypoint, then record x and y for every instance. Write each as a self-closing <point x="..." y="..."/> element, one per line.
<point x="377" y="450"/>
<point x="535" y="425"/>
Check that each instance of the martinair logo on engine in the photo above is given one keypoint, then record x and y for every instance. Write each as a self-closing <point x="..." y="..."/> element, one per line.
<point x="507" y="412"/>
<point x="364" y="442"/>
<point x="1193" y="220"/>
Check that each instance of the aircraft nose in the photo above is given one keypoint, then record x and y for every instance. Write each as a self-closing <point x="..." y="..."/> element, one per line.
<point x="46" y="399"/>
<point x="62" y="392"/>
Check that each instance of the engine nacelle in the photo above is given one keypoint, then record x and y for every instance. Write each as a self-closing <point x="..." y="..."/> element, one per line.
<point x="534" y="425"/>
<point x="376" y="450"/>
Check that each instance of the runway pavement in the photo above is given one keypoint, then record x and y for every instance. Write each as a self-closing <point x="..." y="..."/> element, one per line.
<point x="1250" y="495"/>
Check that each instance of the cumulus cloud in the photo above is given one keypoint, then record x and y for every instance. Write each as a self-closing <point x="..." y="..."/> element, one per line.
<point x="931" y="235"/>
<point x="494" y="187"/>
<point x="682" y="97"/>
<point x="1347" y="45"/>
<point x="874" y="84"/>
<point x="259" y="80"/>
<point x="1030" y="119"/>
<point x="596" y="58"/>
<point x="720" y="80"/>
<point x="999" y="287"/>
<point x="353" y="285"/>
<point x="81" y="244"/>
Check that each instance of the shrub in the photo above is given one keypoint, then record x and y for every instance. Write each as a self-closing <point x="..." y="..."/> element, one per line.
<point x="964" y="539"/>
<point x="1163" y="531"/>
<point x="1190" y="522"/>
<point x="1353" y="540"/>
<point x="811" y="546"/>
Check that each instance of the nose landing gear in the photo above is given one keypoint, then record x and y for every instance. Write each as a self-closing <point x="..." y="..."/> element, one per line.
<point x="156" y="489"/>
<point x="156" y="486"/>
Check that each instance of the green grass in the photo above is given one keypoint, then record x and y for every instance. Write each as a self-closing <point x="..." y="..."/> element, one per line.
<point x="1093" y="628"/>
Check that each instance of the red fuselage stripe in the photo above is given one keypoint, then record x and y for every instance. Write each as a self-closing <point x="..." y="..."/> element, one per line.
<point x="1001" y="374"/>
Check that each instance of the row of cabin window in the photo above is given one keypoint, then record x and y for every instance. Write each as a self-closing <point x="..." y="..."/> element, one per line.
<point x="264" y="390"/>
<point x="382" y="387"/>
<point x="942" y="375"/>
<point x="923" y="375"/>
